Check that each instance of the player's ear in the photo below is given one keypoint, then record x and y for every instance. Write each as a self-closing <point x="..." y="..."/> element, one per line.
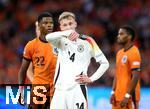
<point x="37" y="30"/>
<point x="36" y="23"/>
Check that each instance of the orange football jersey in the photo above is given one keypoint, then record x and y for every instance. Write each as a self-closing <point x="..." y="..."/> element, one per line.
<point x="126" y="61"/>
<point x="43" y="58"/>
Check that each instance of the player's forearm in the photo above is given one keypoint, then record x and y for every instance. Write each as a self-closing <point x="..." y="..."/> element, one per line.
<point x="30" y="72"/>
<point x="57" y="35"/>
<point x="101" y="70"/>
<point x="22" y="71"/>
<point x="30" y="75"/>
<point x="133" y="83"/>
<point x="21" y="76"/>
<point x="114" y="84"/>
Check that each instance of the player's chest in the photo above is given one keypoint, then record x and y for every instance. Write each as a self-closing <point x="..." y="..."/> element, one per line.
<point x="76" y="52"/>
<point x="43" y="51"/>
<point x="123" y="59"/>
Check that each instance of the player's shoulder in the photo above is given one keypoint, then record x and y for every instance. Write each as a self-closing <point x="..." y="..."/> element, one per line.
<point x="134" y="50"/>
<point x="33" y="41"/>
<point x="83" y="36"/>
<point x="120" y="51"/>
<point x="87" y="38"/>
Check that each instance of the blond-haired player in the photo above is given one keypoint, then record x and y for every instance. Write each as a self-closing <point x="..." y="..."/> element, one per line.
<point x="74" y="54"/>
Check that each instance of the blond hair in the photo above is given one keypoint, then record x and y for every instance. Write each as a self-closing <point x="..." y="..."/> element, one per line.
<point x="65" y="15"/>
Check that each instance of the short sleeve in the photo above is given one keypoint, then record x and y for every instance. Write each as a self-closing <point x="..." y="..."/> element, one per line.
<point x="27" y="54"/>
<point x="96" y="52"/>
<point x="135" y="60"/>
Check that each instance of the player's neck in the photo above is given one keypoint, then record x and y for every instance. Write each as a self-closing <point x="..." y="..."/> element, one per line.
<point x="42" y="38"/>
<point x="127" y="46"/>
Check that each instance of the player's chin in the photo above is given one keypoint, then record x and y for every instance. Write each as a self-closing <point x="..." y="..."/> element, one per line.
<point x="119" y="41"/>
<point x="49" y="30"/>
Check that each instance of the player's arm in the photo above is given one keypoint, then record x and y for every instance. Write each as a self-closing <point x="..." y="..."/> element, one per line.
<point x="21" y="79"/>
<point x="30" y="72"/>
<point x="114" y="84"/>
<point x="135" y="65"/>
<point x="134" y="81"/>
<point x="25" y="62"/>
<point x="23" y="70"/>
<point x="131" y="88"/>
<point x="101" y="59"/>
<point x="134" y="62"/>
<point x="112" y="97"/>
<point x="56" y="38"/>
<point x="104" y="65"/>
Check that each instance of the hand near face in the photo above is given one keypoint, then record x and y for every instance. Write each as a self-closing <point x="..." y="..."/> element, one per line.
<point x="73" y="36"/>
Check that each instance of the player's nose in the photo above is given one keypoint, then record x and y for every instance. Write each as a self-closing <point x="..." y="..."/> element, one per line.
<point x="68" y="27"/>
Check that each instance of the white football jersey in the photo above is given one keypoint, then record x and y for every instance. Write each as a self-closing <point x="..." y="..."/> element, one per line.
<point x="73" y="59"/>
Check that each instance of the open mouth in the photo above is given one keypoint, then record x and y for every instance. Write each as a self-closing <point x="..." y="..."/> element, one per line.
<point x="49" y="30"/>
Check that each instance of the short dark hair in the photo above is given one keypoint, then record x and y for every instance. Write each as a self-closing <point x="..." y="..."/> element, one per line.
<point x="130" y="30"/>
<point x="44" y="14"/>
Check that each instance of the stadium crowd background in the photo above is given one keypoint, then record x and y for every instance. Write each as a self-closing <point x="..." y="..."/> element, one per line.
<point x="98" y="18"/>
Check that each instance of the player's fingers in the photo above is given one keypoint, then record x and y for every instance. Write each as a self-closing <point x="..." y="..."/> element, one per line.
<point x="122" y="104"/>
<point x="21" y="100"/>
<point x="78" y="79"/>
<point x="73" y="35"/>
<point x="112" y="101"/>
<point x="78" y="76"/>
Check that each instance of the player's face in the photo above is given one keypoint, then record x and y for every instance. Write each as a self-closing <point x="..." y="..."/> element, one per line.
<point x="68" y="23"/>
<point x="46" y="25"/>
<point x="122" y="37"/>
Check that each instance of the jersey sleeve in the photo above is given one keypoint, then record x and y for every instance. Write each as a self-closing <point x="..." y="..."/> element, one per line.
<point x="96" y="52"/>
<point x="59" y="39"/>
<point x="99" y="57"/>
<point x="27" y="54"/>
<point x="135" y="60"/>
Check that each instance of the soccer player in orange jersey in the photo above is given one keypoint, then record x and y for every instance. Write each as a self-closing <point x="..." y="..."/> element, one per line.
<point x="43" y="58"/>
<point x="126" y="87"/>
<point x="30" y="68"/>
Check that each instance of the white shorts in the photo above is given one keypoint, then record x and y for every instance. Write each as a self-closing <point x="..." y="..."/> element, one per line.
<point x="75" y="98"/>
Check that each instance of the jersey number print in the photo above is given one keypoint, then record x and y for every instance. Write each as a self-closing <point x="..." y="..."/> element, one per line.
<point x="72" y="56"/>
<point x="40" y="60"/>
<point x="80" y="106"/>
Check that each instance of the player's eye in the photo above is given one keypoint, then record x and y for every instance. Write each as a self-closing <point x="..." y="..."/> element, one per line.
<point x="45" y="22"/>
<point x="121" y="33"/>
<point x="70" y="23"/>
<point x="65" y="25"/>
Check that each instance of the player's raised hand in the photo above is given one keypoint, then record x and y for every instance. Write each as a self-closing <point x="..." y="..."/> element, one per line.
<point x="73" y="36"/>
<point x="83" y="79"/>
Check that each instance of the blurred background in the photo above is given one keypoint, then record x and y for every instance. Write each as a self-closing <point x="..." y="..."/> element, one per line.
<point x="98" y="18"/>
